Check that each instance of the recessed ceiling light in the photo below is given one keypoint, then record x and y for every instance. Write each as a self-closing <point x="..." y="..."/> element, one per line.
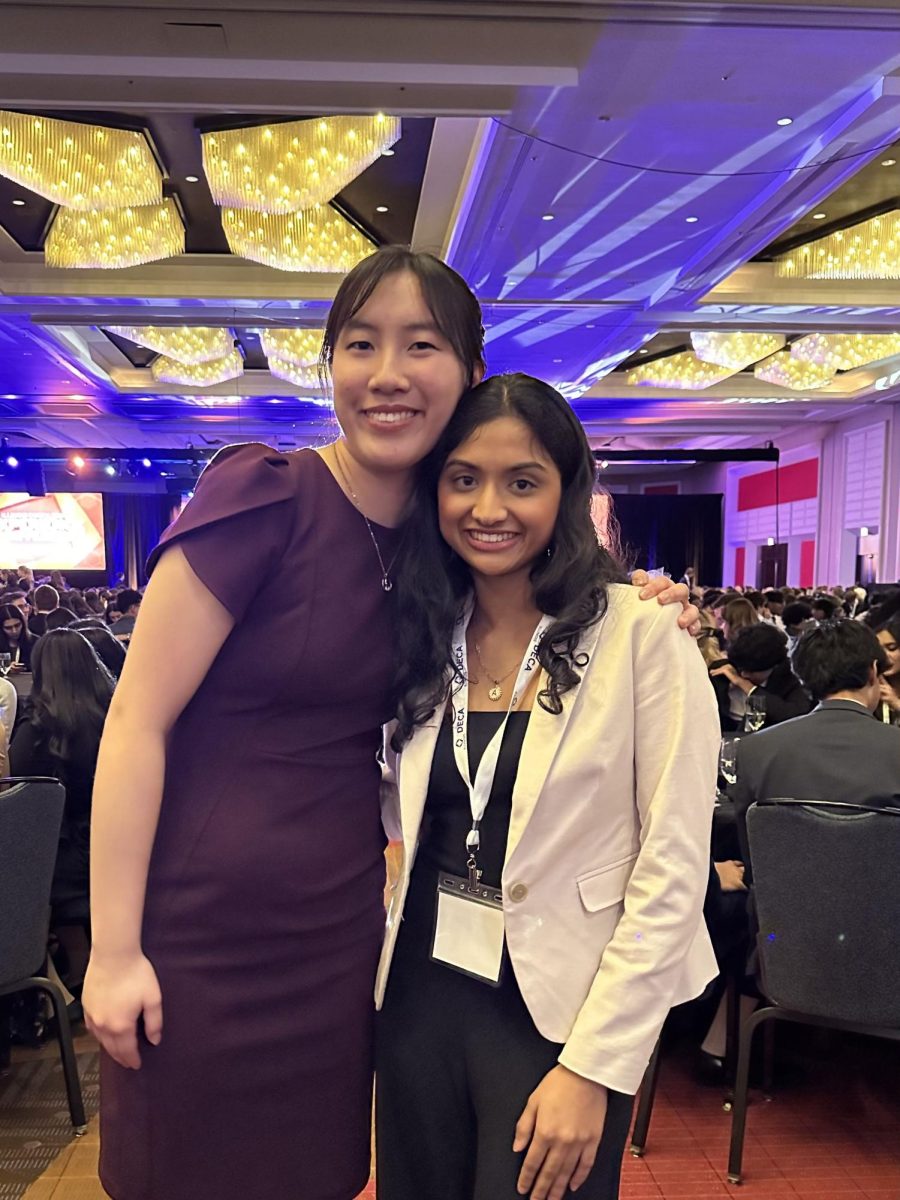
<point x="603" y="465"/>
<point x="590" y="326"/>
<point x="692" y="220"/>
<point x="381" y="208"/>
<point x="819" y="216"/>
<point x="643" y="351"/>
<point x="548" y="217"/>
<point x="557" y="360"/>
<point x="785" y="121"/>
<point x="889" y="162"/>
<point x="192" y="178"/>
<point x="19" y="203"/>
<point x="387" y="153"/>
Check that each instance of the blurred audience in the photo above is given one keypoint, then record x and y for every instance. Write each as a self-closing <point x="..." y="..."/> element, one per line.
<point x="59" y="735"/>
<point x="45" y="600"/>
<point x="60" y="618"/>
<point x="128" y="602"/>
<point x="837" y="752"/>
<point x="15" y="639"/>
<point x="107" y="647"/>
<point x="888" y="710"/>
<point x="758" y="666"/>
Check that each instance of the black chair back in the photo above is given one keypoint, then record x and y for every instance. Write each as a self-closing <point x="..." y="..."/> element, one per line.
<point x="30" y="818"/>
<point x="827" y="892"/>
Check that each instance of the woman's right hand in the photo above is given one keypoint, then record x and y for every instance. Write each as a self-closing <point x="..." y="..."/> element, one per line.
<point x="117" y="992"/>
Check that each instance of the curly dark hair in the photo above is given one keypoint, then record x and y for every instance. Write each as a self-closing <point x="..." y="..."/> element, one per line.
<point x="433" y="582"/>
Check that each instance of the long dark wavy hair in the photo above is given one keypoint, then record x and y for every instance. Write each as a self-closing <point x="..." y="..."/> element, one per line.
<point x="433" y="582"/>
<point x="71" y="693"/>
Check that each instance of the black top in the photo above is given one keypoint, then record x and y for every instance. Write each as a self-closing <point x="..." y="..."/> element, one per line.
<point x="448" y="814"/>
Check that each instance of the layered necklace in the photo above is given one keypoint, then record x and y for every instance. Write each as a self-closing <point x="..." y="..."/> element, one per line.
<point x="386" y="581"/>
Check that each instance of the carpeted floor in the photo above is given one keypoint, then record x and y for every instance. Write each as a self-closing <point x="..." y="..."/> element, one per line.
<point x="34" y="1119"/>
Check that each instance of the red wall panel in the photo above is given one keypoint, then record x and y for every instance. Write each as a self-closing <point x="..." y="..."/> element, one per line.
<point x="799" y="481"/>
<point x="740" y="559"/>
<point x="807" y="560"/>
<point x="661" y="489"/>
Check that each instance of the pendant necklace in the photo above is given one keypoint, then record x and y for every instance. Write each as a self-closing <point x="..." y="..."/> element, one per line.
<point x="386" y="581"/>
<point x="496" y="692"/>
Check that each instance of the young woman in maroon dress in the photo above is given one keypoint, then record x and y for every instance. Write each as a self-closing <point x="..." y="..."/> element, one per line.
<point x="237" y="857"/>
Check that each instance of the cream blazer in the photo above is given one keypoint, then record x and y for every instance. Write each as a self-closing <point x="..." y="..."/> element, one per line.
<point x="607" y="859"/>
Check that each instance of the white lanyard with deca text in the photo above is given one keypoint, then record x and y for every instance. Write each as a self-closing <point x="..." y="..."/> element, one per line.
<point x="480" y="788"/>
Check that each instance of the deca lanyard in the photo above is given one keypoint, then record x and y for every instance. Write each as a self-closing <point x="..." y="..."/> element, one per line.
<point x="480" y="789"/>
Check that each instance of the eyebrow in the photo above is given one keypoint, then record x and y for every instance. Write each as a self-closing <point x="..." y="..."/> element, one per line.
<point x="414" y="327"/>
<point x="525" y="466"/>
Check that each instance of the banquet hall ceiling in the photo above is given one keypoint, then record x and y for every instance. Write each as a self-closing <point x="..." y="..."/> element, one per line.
<point x="609" y="178"/>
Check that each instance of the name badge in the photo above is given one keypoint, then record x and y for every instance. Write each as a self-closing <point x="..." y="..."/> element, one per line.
<point x="468" y="929"/>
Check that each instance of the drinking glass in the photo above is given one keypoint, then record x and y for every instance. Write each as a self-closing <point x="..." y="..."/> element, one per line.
<point x="5" y="664"/>
<point x="728" y="759"/>
<point x="755" y="713"/>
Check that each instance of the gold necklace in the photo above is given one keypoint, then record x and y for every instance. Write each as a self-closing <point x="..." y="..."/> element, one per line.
<point x="496" y="692"/>
<point x="386" y="583"/>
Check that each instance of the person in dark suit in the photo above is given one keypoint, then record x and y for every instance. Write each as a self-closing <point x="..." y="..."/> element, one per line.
<point x="758" y="664"/>
<point x="838" y="751"/>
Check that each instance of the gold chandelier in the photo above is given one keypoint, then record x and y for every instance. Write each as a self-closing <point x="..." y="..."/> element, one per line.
<point x="121" y="237"/>
<point x="184" y="343"/>
<point x="317" y="239"/>
<point x="88" y="168"/>
<point x="286" y="167"/>
<point x="735" y="350"/>
<point x="299" y="346"/>
<point x="785" y="371"/>
<point x="302" y="376"/>
<point x="202" y="374"/>
<point x="846" y="351"/>
<point x="869" y="250"/>
<point x="684" y="371"/>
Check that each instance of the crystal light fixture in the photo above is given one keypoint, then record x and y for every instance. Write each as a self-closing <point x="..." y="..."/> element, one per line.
<point x="286" y="167"/>
<point x="305" y="377"/>
<point x="846" y="351"/>
<point x="204" y="374"/>
<point x="299" y="346"/>
<point x="122" y="237"/>
<point x="786" y="371"/>
<point x="735" y="350"/>
<point x="85" y="167"/>
<point x="316" y="239"/>
<point x="684" y="371"/>
<point x="869" y="250"/>
<point x="184" y="343"/>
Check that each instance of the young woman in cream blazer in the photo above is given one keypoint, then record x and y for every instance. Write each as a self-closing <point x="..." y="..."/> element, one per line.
<point x="528" y="967"/>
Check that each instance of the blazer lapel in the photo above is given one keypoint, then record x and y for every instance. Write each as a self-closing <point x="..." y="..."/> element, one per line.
<point x="542" y="741"/>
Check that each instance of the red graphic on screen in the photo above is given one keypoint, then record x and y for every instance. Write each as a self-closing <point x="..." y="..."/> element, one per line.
<point x="60" y="531"/>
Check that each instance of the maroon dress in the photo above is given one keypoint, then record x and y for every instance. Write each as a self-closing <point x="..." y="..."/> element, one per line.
<point x="264" y="913"/>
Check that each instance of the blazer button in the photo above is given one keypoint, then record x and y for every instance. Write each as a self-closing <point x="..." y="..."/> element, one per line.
<point x="518" y="892"/>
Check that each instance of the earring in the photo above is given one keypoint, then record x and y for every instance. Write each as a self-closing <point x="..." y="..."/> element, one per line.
<point x="549" y="551"/>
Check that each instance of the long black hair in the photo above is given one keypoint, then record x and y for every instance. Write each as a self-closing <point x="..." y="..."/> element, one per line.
<point x="70" y="697"/>
<point x="26" y="642"/>
<point x="433" y="581"/>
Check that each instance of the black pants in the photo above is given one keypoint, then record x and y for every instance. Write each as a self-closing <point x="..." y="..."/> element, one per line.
<point x="456" y="1063"/>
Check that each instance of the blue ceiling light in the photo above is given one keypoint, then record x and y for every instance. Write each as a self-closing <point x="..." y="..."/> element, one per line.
<point x="145" y="462"/>
<point x="12" y="461"/>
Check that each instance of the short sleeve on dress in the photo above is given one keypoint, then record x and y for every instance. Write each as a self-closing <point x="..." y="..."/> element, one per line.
<point x="234" y="529"/>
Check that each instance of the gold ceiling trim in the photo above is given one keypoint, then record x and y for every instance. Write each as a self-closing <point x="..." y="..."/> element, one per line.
<point x="89" y="168"/>
<point x="293" y="165"/>
<point x="204" y="374"/>
<point x="869" y="250"/>
<point x="122" y="237"/>
<point x="317" y="239"/>
<point x="735" y="350"/>
<point x="183" y="343"/>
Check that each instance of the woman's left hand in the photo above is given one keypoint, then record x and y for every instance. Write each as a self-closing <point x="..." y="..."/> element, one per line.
<point x="563" y="1120"/>
<point x="668" y="592"/>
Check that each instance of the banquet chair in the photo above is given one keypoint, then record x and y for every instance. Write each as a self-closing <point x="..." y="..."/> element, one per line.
<point x="828" y="907"/>
<point x="31" y="812"/>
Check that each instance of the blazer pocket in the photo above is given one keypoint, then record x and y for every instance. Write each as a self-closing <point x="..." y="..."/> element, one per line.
<point x="607" y="885"/>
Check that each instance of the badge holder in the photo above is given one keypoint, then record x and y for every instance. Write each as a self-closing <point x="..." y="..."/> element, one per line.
<point x="468" y="926"/>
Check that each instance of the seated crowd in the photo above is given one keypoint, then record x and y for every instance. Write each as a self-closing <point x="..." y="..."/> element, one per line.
<point x="813" y="676"/>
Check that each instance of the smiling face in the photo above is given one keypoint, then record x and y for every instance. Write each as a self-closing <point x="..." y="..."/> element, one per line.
<point x="396" y="377"/>
<point x="498" y="498"/>
<point x="891" y="648"/>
